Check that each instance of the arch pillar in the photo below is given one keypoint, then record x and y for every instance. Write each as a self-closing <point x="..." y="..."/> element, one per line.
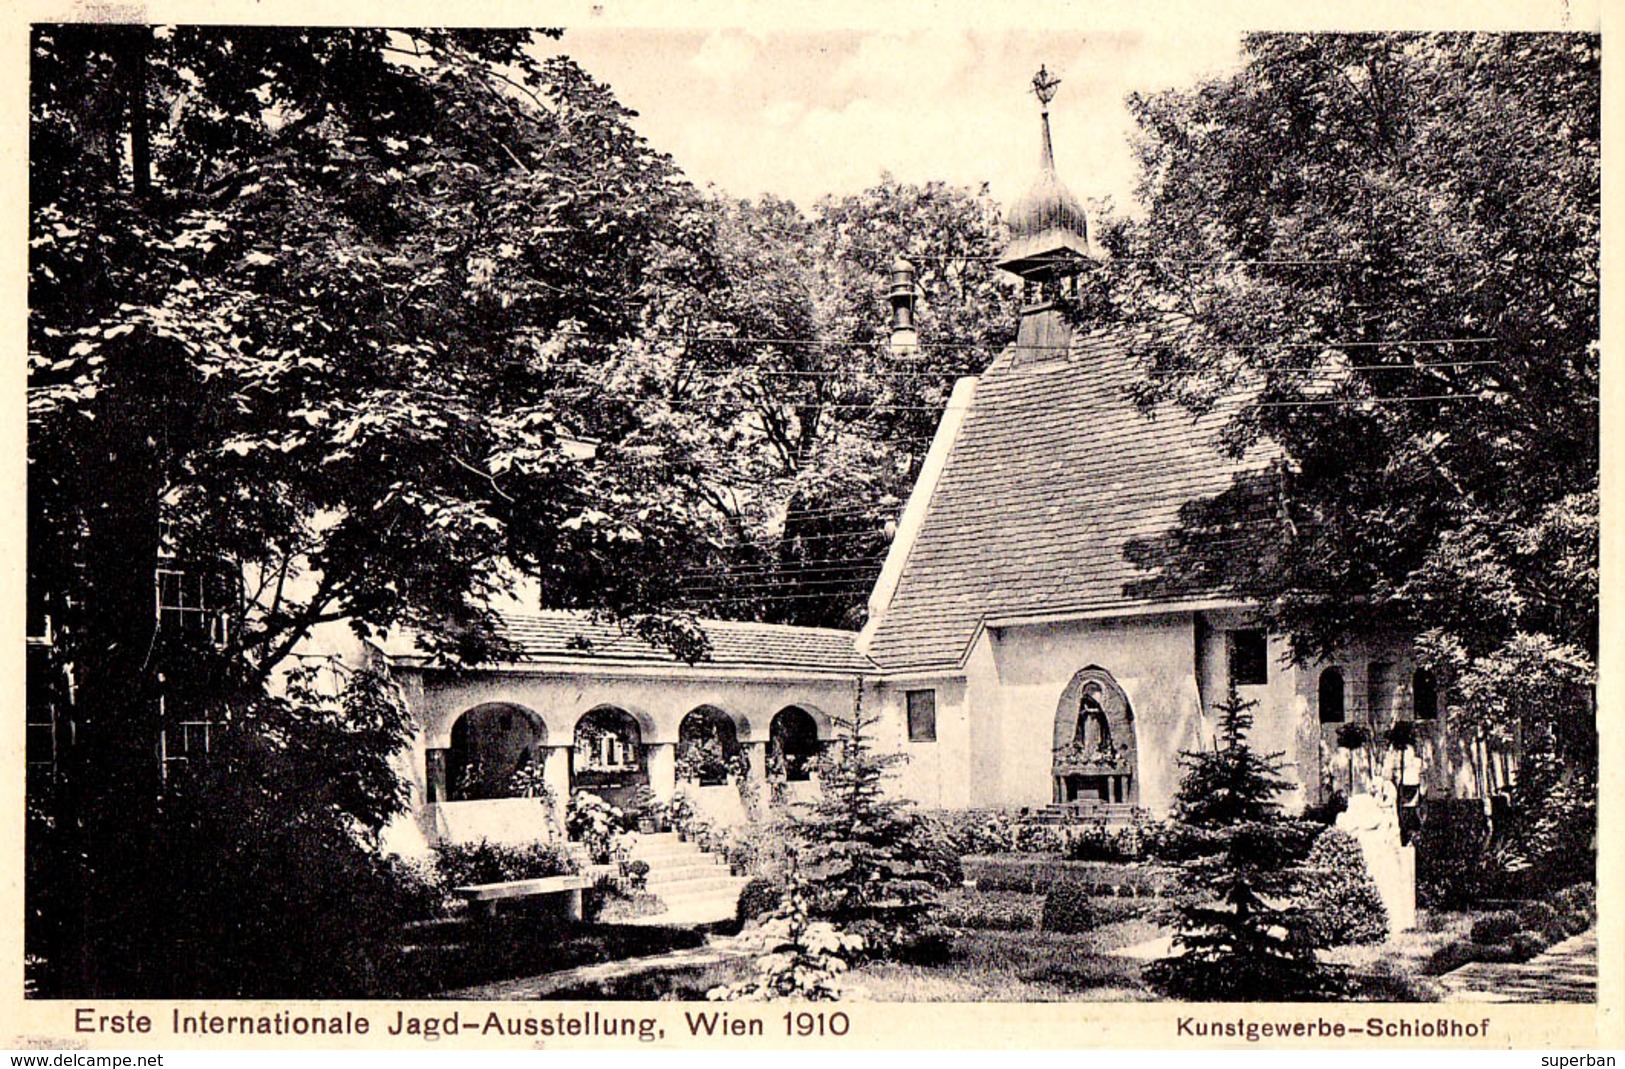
<point x="756" y="757"/>
<point x="661" y="760"/>
<point x="556" y="774"/>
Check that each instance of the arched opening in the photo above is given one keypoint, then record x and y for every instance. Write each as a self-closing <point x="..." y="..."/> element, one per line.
<point x="1424" y="695"/>
<point x="606" y="756"/>
<point x="1330" y="699"/>
<point x="792" y="746"/>
<point x="492" y="746"/>
<point x="1095" y="759"/>
<point x="707" y="747"/>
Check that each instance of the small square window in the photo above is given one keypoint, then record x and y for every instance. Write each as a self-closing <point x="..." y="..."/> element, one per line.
<point x="922" y="716"/>
<point x="1249" y="658"/>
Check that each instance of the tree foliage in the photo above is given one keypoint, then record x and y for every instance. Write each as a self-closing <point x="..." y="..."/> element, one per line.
<point x="802" y="431"/>
<point x="1241" y="935"/>
<point x="319" y="319"/>
<point x="1342" y="208"/>
<point x="870" y="863"/>
<point x="1388" y="245"/>
<point x="1232" y="783"/>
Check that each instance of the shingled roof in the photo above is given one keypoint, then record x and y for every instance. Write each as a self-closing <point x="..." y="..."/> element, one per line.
<point x="577" y="637"/>
<point x="1053" y="474"/>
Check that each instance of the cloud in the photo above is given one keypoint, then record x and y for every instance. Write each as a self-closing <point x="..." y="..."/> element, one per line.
<point x="913" y="66"/>
<point x="726" y="56"/>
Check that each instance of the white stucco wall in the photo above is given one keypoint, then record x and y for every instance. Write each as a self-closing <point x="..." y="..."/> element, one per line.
<point x="1152" y="658"/>
<point x="931" y="774"/>
<point x="1447" y="764"/>
<point x="1284" y="721"/>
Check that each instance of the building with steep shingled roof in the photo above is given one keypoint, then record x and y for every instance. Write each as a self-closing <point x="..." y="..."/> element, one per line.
<point x="1023" y="648"/>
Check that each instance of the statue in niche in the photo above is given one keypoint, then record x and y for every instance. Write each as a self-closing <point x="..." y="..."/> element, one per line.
<point x="1092" y="740"/>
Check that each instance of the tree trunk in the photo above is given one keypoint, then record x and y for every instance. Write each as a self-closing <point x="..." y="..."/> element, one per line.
<point x="110" y="775"/>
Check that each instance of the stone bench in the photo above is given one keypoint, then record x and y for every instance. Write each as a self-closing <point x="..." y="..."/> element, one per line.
<point x="483" y="897"/>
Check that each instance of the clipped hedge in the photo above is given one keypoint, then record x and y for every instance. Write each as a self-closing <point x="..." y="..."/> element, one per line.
<point x="1038" y="875"/>
<point x="1069" y="907"/>
<point x="1342" y="905"/>
<point x="990" y="912"/>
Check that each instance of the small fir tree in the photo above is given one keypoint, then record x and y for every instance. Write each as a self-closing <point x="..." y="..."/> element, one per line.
<point x="1232" y="783"/>
<point x="804" y="958"/>
<point x="1239" y="935"/>
<point x="871" y="864"/>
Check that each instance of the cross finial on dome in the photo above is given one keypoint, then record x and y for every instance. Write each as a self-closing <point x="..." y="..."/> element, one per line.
<point x="1044" y="86"/>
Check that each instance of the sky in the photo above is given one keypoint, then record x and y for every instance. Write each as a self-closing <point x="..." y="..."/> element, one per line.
<point x="831" y="94"/>
<point x="800" y="114"/>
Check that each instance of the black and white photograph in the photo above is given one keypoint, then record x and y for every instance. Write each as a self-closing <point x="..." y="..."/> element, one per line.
<point x="965" y="512"/>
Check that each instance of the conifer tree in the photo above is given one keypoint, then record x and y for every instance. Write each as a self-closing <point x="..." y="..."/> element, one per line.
<point x="871" y="864"/>
<point x="1239" y="935"/>
<point x="1232" y="783"/>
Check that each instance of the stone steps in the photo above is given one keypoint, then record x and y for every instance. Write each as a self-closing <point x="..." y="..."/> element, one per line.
<point x="1112" y="814"/>
<point x="665" y="887"/>
<point x="696" y="887"/>
<point x="688" y="869"/>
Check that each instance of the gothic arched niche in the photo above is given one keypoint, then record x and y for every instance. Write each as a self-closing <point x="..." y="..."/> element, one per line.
<point x="1095" y="760"/>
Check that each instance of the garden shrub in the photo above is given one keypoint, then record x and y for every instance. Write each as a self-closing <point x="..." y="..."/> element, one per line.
<point x="459" y="864"/>
<point x="1069" y="907"/>
<point x="595" y="824"/>
<point x="1576" y="896"/>
<point x="1031" y="838"/>
<point x="1096" y="842"/>
<point x="1342" y="905"/>
<point x="1495" y="927"/>
<point x="1451" y="956"/>
<point x="975" y="831"/>
<point x="1515" y="947"/>
<point x="756" y="850"/>
<point x="1525" y="945"/>
<point x="1452" y="870"/>
<point x="1173" y="841"/>
<point x="759" y="897"/>
<point x="1542" y="919"/>
<point x="1577" y="907"/>
<point x="1547" y="840"/>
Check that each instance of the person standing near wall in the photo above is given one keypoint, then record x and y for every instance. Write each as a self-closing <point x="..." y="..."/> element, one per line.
<point x="1403" y="768"/>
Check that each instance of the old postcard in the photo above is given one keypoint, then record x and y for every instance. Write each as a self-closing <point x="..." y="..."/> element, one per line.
<point x="602" y="526"/>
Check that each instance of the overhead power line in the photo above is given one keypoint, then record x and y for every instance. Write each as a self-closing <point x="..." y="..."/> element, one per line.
<point x="885" y="343"/>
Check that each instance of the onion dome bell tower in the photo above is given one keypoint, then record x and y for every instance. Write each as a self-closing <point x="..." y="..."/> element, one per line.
<point x="1049" y="236"/>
